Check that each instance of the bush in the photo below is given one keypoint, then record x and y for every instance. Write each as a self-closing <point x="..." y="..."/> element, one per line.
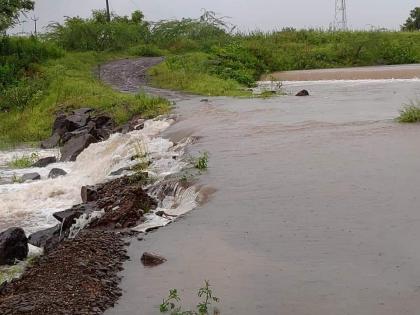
<point x="19" y="57"/>
<point x="96" y="34"/>
<point x="410" y="113"/>
<point x="144" y="50"/>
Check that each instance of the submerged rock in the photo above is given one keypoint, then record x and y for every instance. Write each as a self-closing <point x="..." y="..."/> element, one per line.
<point x="45" y="161"/>
<point x="151" y="259"/>
<point x="56" y="172"/>
<point x="303" y="93"/>
<point x="13" y="245"/>
<point x="31" y="176"/>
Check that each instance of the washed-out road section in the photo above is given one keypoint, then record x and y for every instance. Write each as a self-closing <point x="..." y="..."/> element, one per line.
<point x="315" y="211"/>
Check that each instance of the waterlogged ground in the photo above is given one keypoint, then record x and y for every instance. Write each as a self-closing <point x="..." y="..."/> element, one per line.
<point x="316" y="209"/>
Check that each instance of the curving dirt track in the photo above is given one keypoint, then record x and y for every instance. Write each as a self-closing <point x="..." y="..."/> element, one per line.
<point x="130" y="75"/>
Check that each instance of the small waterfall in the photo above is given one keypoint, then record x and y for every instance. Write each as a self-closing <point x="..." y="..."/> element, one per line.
<point x="31" y="205"/>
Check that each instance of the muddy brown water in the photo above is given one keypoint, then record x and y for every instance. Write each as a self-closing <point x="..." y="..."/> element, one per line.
<point x="358" y="73"/>
<point x="314" y="211"/>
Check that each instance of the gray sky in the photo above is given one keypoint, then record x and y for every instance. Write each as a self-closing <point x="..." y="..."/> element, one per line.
<point x="247" y="14"/>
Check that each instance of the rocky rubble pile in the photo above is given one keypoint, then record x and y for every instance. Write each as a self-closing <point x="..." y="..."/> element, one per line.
<point x="79" y="276"/>
<point x="77" y="130"/>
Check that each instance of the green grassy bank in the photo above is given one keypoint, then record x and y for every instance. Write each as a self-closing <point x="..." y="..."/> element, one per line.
<point x="70" y="83"/>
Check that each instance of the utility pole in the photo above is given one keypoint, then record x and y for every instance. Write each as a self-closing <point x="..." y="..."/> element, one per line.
<point x="340" y="22"/>
<point x="35" y="19"/>
<point x="108" y="14"/>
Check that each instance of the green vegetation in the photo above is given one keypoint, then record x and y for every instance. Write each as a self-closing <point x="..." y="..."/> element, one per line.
<point x="24" y="161"/>
<point x="41" y="76"/>
<point x="202" y="162"/>
<point x="10" y="11"/>
<point x="71" y="84"/>
<point x="410" y="113"/>
<point x="203" y="307"/>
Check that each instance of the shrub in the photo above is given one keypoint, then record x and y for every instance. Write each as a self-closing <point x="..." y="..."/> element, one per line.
<point x="410" y="113"/>
<point x="146" y="50"/>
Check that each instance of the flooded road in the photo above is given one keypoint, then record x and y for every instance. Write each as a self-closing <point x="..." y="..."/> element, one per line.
<point x="316" y="209"/>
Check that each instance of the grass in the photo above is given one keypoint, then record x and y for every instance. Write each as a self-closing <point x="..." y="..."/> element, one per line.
<point x="72" y="84"/>
<point x="206" y="295"/>
<point x="191" y="75"/>
<point x="24" y="161"/>
<point x="410" y="113"/>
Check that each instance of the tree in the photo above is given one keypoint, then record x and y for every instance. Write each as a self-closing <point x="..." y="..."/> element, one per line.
<point x="413" y="22"/>
<point x="10" y="11"/>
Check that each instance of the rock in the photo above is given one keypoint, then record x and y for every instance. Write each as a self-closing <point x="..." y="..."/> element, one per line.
<point x="68" y="217"/>
<point x="120" y="171"/>
<point x="75" y="146"/>
<point x="60" y="125"/>
<point x="45" y="161"/>
<point x="41" y="238"/>
<point x="13" y="245"/>
<point x="89" y="193"/>
<point x="56" y="172"/>
<point x="82" y="111"/>
<point x="31" y="176"/>
<point x="51" y="142"/>
<point x="103" y="121"/>
<point x="151" y="260"/>
<point x="74" y="122"/>
<point x="303" y="93"/>
<point x="101" y="134"/>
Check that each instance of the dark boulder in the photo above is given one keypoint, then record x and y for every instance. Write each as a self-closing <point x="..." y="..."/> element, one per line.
<point x="89" y="193"/>
<point x="101" y="134"/>
<point x="41" y="238"/>
<point x="303" y="93"/>
<point x="151" y="260"/>
<point x="74" y="122"/>
<point x="82" y="111"/>
<point x="13" y="245"/>
<point x="31" y="176"/>
<point x="75" y="146"/>
<point x="56" y="172"/>
<point x="103" y="121"/>
<point x="60" y="125"/>
<point x="51" y="142"/>
<point x="45" y="161"/>
<point x="68" y="217"/>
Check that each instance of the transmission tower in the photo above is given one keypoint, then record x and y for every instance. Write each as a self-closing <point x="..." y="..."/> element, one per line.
<point x="340" y="22"/>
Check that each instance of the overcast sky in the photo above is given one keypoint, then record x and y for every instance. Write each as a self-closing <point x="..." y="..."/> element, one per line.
<point x="247" y="14"/>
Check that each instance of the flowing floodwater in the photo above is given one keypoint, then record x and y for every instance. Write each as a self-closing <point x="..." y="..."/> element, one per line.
<point x="31" y="205"/>
<point x="316" y="209"/>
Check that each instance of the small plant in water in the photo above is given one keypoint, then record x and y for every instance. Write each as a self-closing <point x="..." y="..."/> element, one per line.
<point x="207" y="298"/>
<point x="202" y="162"/>
<point x="24" y="161"/>
<point x="16" y="179"/>
<point x="410" y="113"/>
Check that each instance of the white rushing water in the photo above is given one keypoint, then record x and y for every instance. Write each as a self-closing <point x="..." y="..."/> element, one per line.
<point x="31" y="205"/>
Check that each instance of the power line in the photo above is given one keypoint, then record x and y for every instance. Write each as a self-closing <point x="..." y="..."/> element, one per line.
<point x="108" y="14"/>
<point x="340" y="22"/>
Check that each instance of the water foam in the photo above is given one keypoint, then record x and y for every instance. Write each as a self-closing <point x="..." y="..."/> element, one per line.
<point x="31" y="205"/>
